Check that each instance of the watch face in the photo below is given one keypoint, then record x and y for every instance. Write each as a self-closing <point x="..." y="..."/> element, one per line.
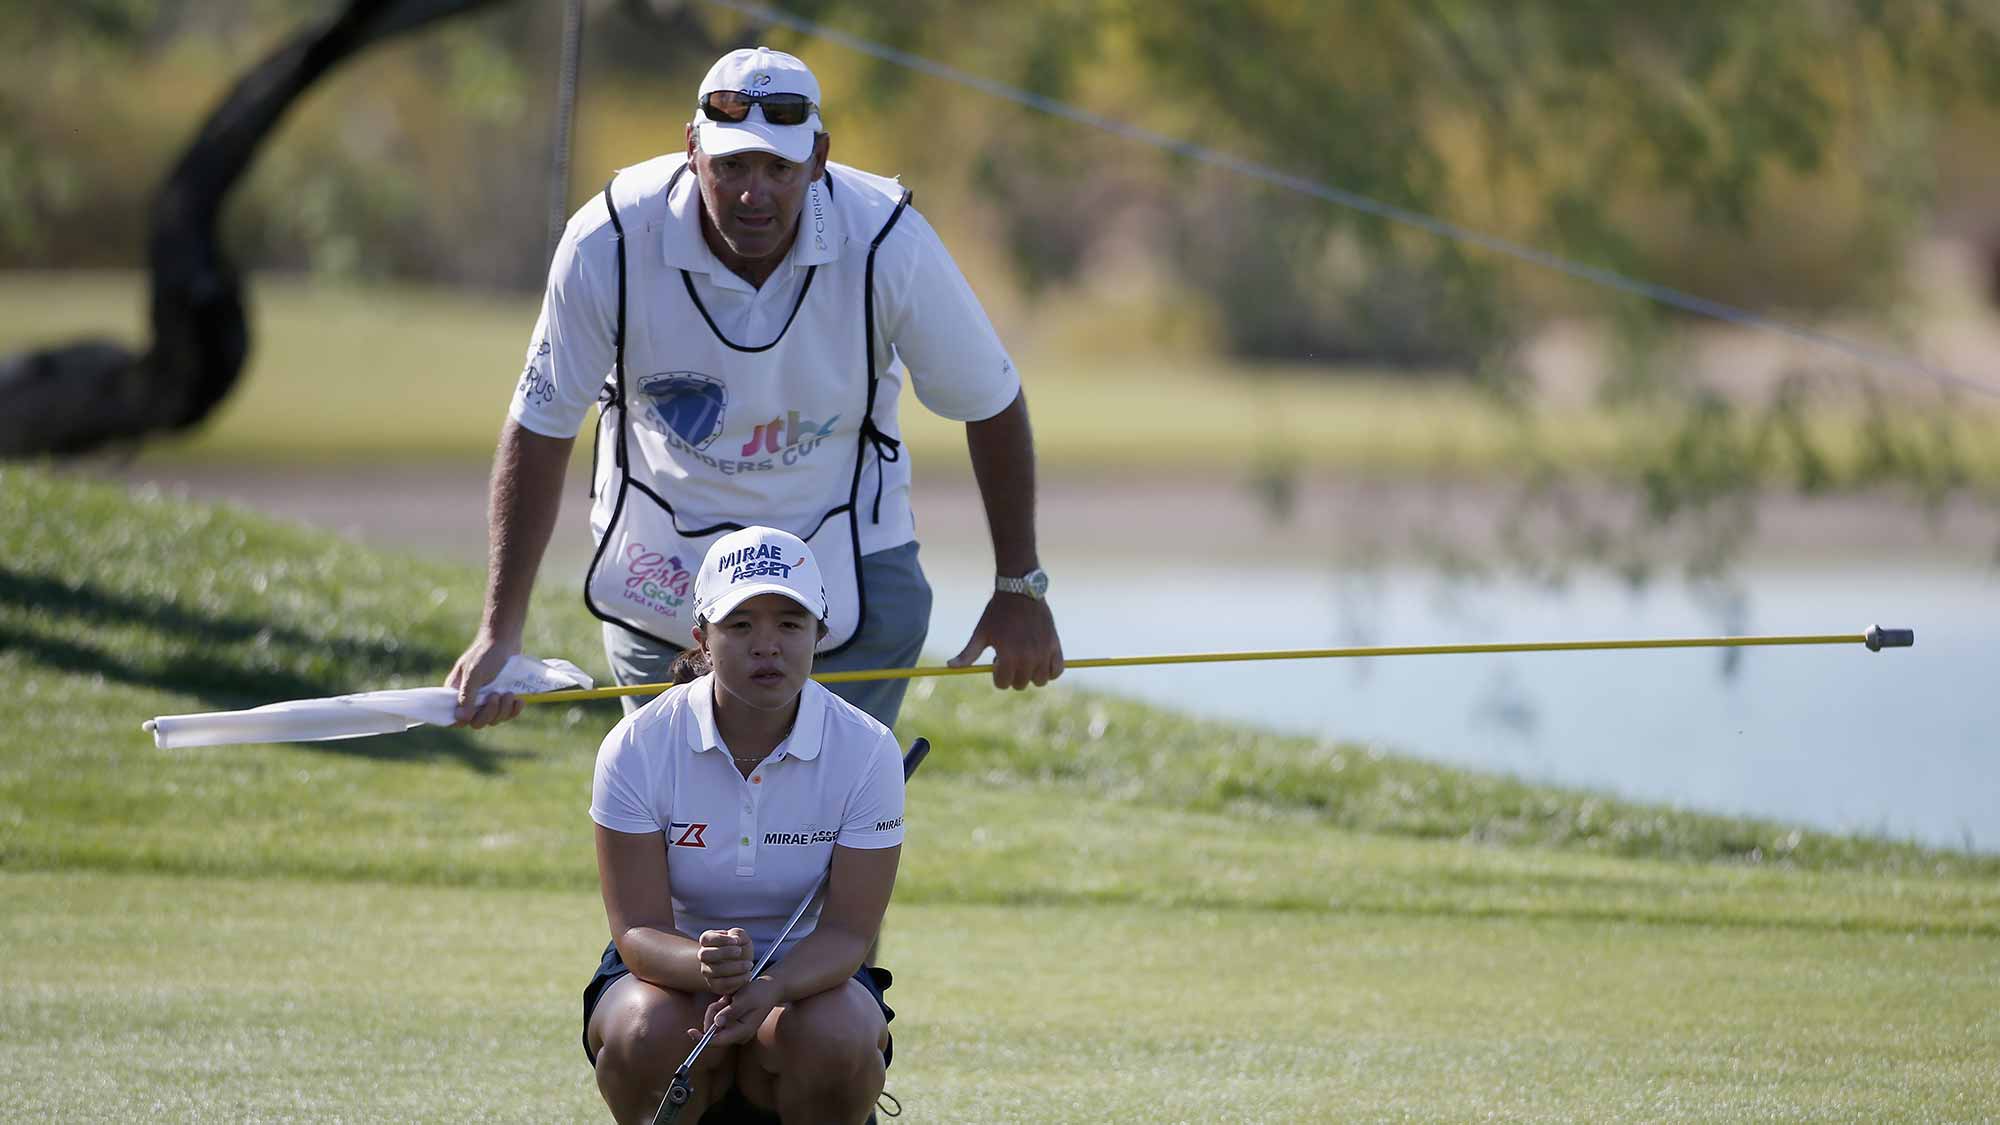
<point x="1038" y="582"/>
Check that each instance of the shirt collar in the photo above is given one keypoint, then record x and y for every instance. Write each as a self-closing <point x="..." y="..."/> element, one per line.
<point x="802" y="743"/>
<point x="820" y="239"/>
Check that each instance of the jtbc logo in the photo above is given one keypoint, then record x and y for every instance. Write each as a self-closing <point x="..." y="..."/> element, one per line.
<point x="781" y="433"/>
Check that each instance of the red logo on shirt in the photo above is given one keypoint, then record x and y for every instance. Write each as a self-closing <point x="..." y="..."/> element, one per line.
<point x="687" y="835"/>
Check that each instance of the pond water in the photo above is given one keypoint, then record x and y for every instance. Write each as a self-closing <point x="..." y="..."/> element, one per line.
<point x="1902" y="743"/>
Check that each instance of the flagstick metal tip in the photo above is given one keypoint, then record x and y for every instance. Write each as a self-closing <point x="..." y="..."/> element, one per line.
<point x="1878" y="638"/>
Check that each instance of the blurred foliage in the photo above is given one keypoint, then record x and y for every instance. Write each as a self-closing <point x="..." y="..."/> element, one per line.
<point x="1767" y="155"/>
<point x="405" y="164"/>
<point x="1782" y="157"/>
<point x="1770" y="155"/>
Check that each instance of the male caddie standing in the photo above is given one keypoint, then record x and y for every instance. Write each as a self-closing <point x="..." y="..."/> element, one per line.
<point x="746" y="314"/>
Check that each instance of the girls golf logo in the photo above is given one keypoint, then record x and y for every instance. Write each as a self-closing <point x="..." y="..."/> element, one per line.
<point x="656" y="580"/>
<point x="688" y="404"/>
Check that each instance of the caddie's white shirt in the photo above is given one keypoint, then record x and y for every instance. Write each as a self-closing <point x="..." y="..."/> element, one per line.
<point x="924" y="309"/>
<point x="743" y="851"/>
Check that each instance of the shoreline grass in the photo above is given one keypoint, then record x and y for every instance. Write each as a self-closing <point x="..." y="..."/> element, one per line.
<point x="124" y="607"/>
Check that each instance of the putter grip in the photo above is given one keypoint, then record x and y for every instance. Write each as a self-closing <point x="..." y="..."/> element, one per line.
<point x="915" y="757"/>
<point x="1878" y="638"/>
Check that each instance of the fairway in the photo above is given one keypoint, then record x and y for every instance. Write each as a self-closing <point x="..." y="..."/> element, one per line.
<point x="1105" y="913"/>
<point x="358" y="375"/>
<point x="349" y="374"/>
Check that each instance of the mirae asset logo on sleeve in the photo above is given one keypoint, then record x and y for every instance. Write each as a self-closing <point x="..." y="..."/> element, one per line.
<point x="813" y="834"/>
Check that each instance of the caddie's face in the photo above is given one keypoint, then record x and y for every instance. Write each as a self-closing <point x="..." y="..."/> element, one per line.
<point x="754" y="199"/>
<point x="762" y="651"/>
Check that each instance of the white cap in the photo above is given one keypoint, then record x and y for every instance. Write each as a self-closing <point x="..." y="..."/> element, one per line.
<point x="757" y="560"/>
<point x="758" y="71"/>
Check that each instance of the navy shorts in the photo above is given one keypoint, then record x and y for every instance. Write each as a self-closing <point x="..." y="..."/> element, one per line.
<point x="874" y="978"/>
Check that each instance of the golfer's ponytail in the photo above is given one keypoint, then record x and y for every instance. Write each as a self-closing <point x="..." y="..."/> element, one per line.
<point x="691" y="664"/>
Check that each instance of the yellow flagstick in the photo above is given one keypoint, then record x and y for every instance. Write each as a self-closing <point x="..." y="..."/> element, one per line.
<point x="1876" y="638"/>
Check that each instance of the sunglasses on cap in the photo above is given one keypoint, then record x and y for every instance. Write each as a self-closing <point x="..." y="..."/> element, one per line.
<point x="779" y="109"/>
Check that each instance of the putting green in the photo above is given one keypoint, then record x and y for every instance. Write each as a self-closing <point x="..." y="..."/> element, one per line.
<point x="191" y="999"/>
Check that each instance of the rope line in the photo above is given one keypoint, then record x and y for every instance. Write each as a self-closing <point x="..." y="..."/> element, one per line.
<point x="1443" y="228"/>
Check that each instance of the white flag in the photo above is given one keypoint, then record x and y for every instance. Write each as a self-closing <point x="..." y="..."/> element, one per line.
<point x="358" y="715"/>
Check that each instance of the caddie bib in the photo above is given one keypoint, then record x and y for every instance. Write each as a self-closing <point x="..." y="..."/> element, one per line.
<point x="707" y="434"/>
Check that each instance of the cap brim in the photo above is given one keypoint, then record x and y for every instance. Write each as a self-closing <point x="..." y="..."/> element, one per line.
<point x="726" y="604"/>
<point x="721" y="138"/>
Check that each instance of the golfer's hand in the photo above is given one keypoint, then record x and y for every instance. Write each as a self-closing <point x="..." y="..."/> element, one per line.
<point x="474" y="670"/>
<point x="1021" y="631"/>
<point x="727" y="957"/>
<point x="736" y="1018"/>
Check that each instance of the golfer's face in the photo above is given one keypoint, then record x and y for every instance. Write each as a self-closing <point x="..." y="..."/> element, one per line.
<point x="753" y="199"/>
<point x="762" y="651"/>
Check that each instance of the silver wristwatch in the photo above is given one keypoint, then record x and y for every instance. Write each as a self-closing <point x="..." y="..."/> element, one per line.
<point x="1034" y="584"/>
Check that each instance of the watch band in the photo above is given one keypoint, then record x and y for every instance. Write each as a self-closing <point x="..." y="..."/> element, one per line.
<point x="1034" y="584"/>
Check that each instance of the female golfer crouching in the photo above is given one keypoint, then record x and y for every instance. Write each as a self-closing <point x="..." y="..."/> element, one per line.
<point x="718" y="806"/>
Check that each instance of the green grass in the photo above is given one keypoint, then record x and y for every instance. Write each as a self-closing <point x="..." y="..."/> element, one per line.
<point x="192" y="999"/>
<point x="343" y="375"/>
<point x="1106" y="912"/>
<point x="362" y="375"/>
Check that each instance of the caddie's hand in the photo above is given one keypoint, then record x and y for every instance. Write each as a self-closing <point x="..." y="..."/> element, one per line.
<point x="736" y="1018"/>
<point x="727" y="957"/>
<point x="1021" y="631"/>
<point x="474" y="670"/>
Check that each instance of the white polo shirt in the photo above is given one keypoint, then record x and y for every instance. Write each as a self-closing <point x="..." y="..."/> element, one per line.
<point x="742" y="851"/>
<point x="937" y="333"/>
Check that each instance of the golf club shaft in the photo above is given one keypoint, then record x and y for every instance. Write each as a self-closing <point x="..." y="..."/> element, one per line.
<point x="1875" y="639"/>
<point x="762" y="962"/>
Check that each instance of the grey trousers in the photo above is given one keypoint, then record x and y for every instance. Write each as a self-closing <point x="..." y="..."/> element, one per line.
<point x="893" y="625"/>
